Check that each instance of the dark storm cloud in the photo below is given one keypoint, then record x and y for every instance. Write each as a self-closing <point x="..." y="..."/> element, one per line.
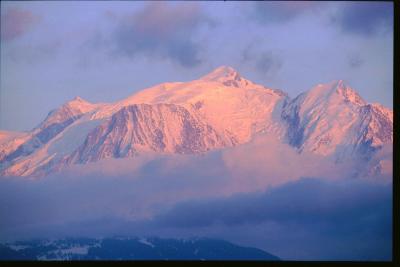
<point x="364" y="18"/>
<point x="15" y="22"/>
<point x="162" y="29"/>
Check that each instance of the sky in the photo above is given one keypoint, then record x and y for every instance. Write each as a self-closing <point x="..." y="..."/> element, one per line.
<point x="52" y="51"/>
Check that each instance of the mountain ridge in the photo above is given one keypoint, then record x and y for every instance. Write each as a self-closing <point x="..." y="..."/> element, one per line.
<point x="221" y="109"/>
<point x="150" y="248"/>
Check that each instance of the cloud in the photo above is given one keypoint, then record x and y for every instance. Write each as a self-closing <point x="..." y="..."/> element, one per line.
<point x="15" y="22"/>
<point x="311" y="219"/>
<point x="281" y="12"/>
<point x="163" y="30"/>
<point x="307" y="200"/>
<point x="307" y="219"/>
<point x="364" y="18"/>
<point x="355" y="61"/>
<point x="267" y="63"/>
<point x="34" y="53"/>
<point x="241" y="194"/>
<point x="258" y="169"/>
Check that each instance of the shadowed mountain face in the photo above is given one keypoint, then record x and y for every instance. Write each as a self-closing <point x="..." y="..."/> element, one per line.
<point x="331" y="117"/>
<point x="163" y="128"/>
<point x="131" y="249"/>
<point x="219" y="110"/>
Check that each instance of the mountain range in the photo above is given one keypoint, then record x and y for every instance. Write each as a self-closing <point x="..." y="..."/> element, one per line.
<point x="219" y="110"/>
<point x="131" y="249"/>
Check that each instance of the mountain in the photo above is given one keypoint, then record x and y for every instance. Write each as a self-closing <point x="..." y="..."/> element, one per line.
<point x="131" y="249"/>
<point x="164" y="128"/>
<point x="8" y="135"/>
<point x="334" y="119"/>
<point x="219" y="110"/>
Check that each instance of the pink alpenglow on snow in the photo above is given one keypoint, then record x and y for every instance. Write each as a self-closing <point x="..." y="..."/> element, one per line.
<point x="220" y="110"/>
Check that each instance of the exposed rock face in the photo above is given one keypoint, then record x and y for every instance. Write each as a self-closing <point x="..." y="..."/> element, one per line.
<point x="221" y="109"/>
<point x="332" y="119"/>
<point x="164" y="128"/>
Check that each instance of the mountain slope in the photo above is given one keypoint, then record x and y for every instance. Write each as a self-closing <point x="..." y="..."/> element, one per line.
<point x="221" y="109"/>
<point x="164" y="128"/>
<point x="21" y="156"/>
<point x="228" y="102"/>
<point x="7" y="135"/>
<point x="131" y="249"/>
<point x="333" y="119"/>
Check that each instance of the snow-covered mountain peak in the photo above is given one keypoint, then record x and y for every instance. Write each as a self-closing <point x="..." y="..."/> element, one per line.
<point x="80" y="105"/>
<point x="227" y="76"/>
<point x="221" y="109"/>
<point x="78" y="99"/>
<point x="388" y="112"/>
<point x="222" y="72"/>
<point x="348" y="93"/>
<point x="335" y="92"/>
<point x="68" y="112"/>
<point x="329" y="117"/>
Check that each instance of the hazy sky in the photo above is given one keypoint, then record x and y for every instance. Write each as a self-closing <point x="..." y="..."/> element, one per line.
<point x="104" y="51"/>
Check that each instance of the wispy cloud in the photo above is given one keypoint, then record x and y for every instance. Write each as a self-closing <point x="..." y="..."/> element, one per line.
<point x="267" y="63"/>
<point x="355" y="61"/>
<point x="282" y="11"/>
<point x="364" y="18"/>
<point x="163" y="30"/>
<point x="15" y="22"/>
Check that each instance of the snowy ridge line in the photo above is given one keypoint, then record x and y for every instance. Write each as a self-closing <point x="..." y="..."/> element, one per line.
<point x="219" y="110"/>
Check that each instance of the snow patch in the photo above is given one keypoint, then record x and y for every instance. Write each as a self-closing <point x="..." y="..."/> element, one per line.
<point x="18" y="247"/>
<point x="146" y="242"/>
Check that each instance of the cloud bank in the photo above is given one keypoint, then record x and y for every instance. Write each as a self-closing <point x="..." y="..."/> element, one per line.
<point x="243" y="195"/>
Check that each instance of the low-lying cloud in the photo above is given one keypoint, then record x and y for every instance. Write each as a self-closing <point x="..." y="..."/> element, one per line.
<point x="245" y="194"/>
<point x="308" y="200"/>
<point x="307" y="219"/>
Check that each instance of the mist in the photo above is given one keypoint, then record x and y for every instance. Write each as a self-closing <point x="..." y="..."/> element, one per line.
<point x="285" y="203"/>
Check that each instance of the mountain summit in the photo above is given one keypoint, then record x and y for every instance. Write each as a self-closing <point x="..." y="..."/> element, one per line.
<point x="335" y="91"/>
<point x="333" y="118"/>
<point x="219" y="110"/>
<point x="221" y="73"/>
<point x="227" y="76"/>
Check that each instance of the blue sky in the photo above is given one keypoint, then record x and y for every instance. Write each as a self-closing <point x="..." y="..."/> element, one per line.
<point x="104" y="51"/>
